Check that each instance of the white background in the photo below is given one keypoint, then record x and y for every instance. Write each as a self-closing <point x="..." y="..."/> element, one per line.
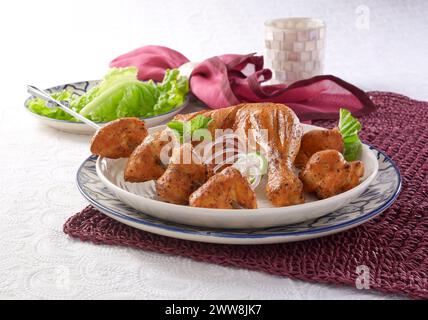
<point x="53" y="42"/>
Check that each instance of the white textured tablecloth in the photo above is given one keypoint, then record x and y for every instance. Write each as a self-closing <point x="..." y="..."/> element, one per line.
<point x="38" y="164"/>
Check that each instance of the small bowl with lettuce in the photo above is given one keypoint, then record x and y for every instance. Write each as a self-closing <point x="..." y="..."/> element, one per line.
<point x="119" y="94"/>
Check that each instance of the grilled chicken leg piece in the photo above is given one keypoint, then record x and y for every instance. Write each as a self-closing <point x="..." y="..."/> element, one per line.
<point x="225" y="190"/>
<point x="118" y="138"/>
<point x="222" y="118"/>
<point x="183" y="176"/>
<point x="327" y="173"/>
<point x="281" y="142"/>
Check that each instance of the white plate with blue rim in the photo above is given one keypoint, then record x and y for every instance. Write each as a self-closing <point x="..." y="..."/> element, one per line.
<point x="143" y="197"/>
<point x="377" y="196"/>
<point x="80" y="88"/>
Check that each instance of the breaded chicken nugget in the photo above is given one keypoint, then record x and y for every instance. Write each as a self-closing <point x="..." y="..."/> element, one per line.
<point x="181" y="177"/>
<point x="145" y="162"/>
<point x="318" y="140"/>
<point x="118" y="138"/>
<point x="225" y="190"/>
<point x="327" y="173"/>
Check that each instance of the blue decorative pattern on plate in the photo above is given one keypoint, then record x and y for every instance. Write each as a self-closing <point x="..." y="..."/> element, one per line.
<point x="80" y="88"/>
<point x="378" y="197"/>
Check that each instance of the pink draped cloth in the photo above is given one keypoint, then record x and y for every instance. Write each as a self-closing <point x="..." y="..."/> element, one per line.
<point x="226" y="80"/>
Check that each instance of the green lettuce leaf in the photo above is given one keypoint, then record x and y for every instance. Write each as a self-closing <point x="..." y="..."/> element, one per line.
<point x="125" y="98"/>
<point x="172" y="92"/>
<point x="189" y="127"/>
<point x="40" y="107"/>
<point x="114" y="76"/>
<point x="349" y="128"/>
<point x="121" y="94"/>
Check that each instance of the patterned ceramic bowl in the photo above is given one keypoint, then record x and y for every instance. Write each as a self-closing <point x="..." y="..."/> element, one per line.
<point x="80" y="88"/>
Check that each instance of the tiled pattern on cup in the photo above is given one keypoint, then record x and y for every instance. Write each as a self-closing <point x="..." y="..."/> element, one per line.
<point x="294" y="54"/>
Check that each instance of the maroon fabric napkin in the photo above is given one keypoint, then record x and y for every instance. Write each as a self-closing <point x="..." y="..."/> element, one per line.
<point x="230" y="79"/>
<point x="394" y="245"/>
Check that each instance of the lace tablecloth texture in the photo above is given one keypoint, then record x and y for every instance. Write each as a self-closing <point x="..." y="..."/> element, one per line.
<point x="38" y="164"/>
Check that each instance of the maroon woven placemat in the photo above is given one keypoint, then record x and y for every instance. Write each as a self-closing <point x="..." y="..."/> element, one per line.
<point x="394" y="245"/>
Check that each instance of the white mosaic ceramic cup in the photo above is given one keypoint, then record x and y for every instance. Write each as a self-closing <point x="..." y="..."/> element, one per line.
<point x="294" y="48"/>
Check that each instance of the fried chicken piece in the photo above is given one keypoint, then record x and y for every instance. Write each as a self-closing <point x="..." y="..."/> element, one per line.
<point x="327" y="173"/>
<point x="318" y="140"/>
<point x="145" y="162"/>
<point x="183" y="176"/>
<point x="118" y="138"/>
<point x="188" y="116"/>
<point x="222" y="118"/>
<point x="281" y="141"/>
<point x="225" y="190"/>
<point x="284" y="188"/>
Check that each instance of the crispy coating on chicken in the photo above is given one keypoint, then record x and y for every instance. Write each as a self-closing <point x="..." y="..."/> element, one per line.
<point x="318" y="140"/>
<point x="225" y="190"/>
<point x="276" y="131"/>
<point x="327" y="173"/>
<point x="281" y="140"/>
<point x="284" y="187"/>
<point x="145" y="162"/>
<point x="118" y="138"/>
<point x="183" y="176"/>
